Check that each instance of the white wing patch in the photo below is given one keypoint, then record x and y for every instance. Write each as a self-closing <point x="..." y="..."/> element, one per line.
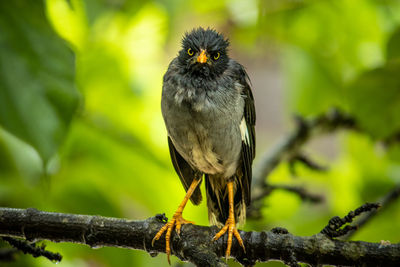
<point x="244" y="132"/>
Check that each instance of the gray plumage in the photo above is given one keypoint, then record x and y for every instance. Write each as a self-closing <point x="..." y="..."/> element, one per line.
<point x="208" y="110"/>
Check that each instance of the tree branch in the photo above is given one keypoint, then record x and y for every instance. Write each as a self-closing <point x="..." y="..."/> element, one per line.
<point x="291" y="144"/>
<point x="306" y="161"/>
<point x="254" y="210"/>
<point x="194" y="243"/>
<point x="289" y="147"/>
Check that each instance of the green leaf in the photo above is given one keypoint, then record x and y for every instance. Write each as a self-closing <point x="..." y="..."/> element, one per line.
<point x="374" y="99"/>
<point x="37" y="93"/>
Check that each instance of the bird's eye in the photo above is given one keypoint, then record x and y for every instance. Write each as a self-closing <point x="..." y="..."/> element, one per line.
<point x="216" y="56"/>
<point x="190" y="52"/>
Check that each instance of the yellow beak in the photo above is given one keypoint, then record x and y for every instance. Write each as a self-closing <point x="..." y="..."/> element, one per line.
<point x="202" y="58"/>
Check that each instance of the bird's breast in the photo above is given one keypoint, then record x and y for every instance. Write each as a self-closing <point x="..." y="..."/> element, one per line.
<point x="209" y="141"/>
<point x="204" y="126"/>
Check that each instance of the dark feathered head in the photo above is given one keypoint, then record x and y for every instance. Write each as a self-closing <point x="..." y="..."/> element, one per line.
<point x="204" y="53"/>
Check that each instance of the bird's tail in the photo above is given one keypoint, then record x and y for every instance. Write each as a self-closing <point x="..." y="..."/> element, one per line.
<point x="218" y="202"/>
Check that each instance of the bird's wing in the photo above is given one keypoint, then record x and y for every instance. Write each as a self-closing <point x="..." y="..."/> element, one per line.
<point x="185" y="172"/>
<point x="248" y="135"/>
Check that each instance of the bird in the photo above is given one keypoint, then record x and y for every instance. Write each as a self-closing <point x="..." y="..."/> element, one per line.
<point x="208" y="110"/>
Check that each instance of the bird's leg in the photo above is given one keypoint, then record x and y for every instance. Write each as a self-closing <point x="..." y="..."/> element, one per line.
<point x="176" y="221"/>
<point x="230" y="225"/>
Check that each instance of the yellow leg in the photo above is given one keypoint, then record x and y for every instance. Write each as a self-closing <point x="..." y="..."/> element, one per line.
<point x="230" y="225"/>
<point x="176" y="220"/>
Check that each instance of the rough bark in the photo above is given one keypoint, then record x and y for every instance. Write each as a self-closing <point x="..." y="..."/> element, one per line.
<point x="194" y="243"/>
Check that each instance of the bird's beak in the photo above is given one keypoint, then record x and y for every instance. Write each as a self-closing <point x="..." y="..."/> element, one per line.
<point x="202" y="58"/>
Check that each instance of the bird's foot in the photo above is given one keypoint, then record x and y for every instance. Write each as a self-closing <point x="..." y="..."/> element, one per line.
<point x="230" y="226"/>
<point x="176" y="222"/>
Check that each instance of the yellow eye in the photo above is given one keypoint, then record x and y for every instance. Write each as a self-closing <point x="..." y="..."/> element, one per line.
<point x="190" y="52"/>
<point x="216" y="56"/>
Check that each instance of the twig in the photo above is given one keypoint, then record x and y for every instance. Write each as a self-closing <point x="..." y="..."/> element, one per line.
<point x="333" y="229"/>
<point x="194" y="243"/>
<point x="306" y="161"/>
<point x="254" y="210"/>
<point x="32" y="249"/>
<point x="300" y="191"/>
<point x="388" y="199"/>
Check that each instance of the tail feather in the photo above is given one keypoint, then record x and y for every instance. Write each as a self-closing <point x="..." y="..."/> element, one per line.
<point x="218" y="202"/>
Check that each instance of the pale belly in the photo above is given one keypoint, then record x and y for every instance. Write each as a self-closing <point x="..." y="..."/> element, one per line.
<point x="208" y="154"/>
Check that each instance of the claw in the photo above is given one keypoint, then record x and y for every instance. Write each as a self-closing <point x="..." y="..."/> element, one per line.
<point x="230" y="226"/>
<point x="176" y="222"/>
<point x="179" y="222"/>
<point x="232" y="231"/>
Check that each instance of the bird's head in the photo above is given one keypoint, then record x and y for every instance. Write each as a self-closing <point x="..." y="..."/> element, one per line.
<point x="204" y="53"/>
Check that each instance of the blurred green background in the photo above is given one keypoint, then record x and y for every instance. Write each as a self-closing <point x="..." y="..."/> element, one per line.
<point x="81" y="128"/>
